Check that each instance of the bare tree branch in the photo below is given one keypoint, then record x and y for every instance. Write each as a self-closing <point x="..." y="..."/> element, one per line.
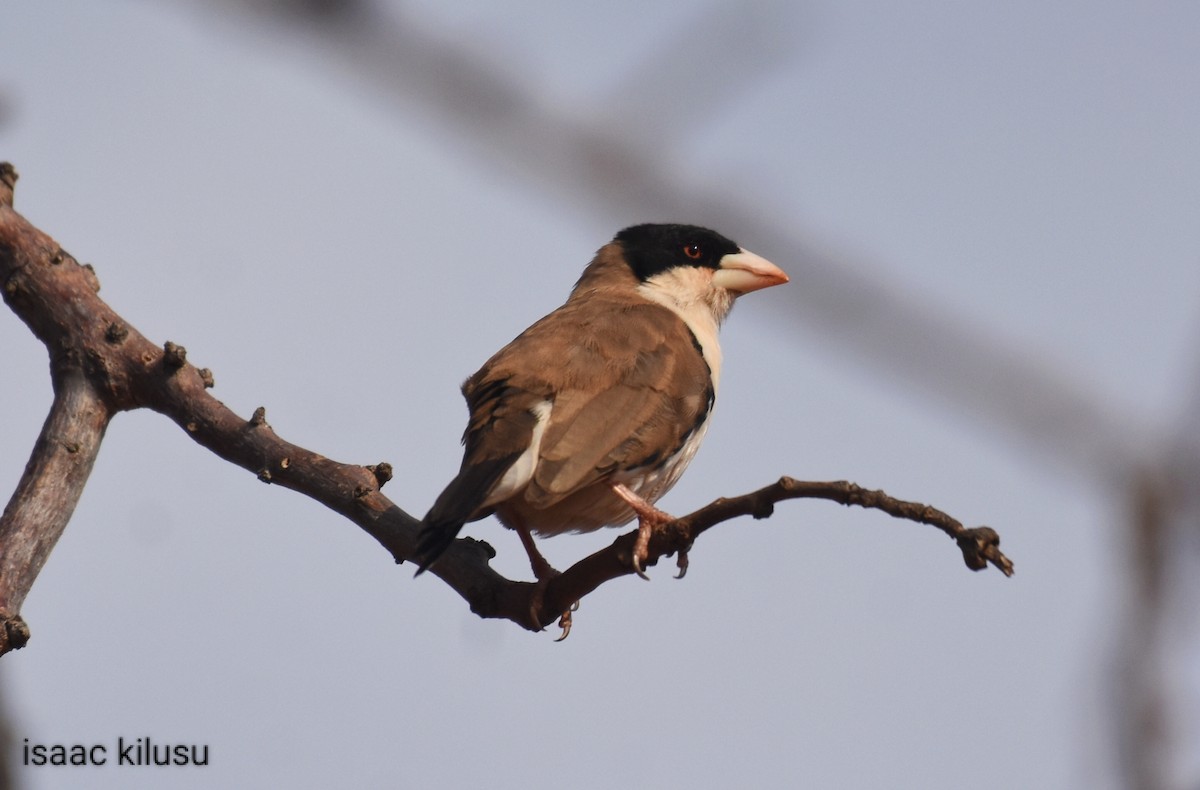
<point x="979" y="545"/>
<point x="47" y="494"/>
<point x="58" y="468"/>
<point x="102" y="365"/>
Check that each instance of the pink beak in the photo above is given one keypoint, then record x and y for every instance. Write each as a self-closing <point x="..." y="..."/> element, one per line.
<point x="743" y="272"/>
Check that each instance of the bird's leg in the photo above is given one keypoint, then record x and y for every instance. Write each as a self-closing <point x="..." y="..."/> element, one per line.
<point x="542" y="569"/>
<point x="544" y="572"/>
<point x="649" y="517"/>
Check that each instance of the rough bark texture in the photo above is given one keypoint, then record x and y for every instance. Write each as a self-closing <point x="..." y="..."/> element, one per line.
<point x="101" y="365"/>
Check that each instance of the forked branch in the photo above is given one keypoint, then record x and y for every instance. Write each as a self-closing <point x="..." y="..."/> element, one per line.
<point x="101" y="365"/>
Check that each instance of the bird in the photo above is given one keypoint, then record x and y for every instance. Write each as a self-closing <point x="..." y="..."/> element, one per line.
<point x="591" y="414"/>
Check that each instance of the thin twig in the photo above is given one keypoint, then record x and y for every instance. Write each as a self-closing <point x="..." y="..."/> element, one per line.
<point x="979" y="545"/>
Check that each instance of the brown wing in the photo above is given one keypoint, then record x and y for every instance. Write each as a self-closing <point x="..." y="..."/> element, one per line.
<point x="628" y="384"/>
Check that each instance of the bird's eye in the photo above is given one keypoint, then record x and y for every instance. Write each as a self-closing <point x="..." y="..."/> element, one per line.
<point x="693" y="251"/>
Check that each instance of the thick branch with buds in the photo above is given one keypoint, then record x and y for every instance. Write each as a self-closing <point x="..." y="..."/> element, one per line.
<point x="101" y="365"/>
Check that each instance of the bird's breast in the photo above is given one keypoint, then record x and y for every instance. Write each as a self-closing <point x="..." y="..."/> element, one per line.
<point x="701" y="319"/>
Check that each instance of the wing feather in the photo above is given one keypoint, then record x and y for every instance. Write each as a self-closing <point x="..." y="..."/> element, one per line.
<point x="629" y="385"/>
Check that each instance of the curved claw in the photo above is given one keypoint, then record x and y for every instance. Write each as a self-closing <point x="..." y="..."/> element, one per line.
<point x="637" y="567"/>
<point x="641" y="548"/>
<point x="682" y="563"/>
<point x="564" y="622"/>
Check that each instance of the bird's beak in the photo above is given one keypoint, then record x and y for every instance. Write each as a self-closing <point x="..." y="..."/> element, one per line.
<point x="743" y="272"/>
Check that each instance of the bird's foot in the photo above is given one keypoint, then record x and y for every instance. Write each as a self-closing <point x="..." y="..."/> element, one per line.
<point x="545" y="572"/>
<point x="649" y="517"/>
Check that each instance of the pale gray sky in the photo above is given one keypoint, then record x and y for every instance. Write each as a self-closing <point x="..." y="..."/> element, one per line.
<point x="1026" y="172"/>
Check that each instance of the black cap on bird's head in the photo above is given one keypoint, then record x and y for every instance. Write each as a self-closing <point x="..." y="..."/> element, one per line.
<point x="652" y="249"/>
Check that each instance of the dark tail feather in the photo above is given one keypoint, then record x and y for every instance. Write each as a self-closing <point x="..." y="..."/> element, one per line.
<point x="433" y="540"/>
<point x="456" y="506"/>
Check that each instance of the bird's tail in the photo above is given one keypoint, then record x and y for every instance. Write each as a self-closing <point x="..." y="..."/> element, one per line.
<point x="435" y="537"/>
<point x="458" y="504"/>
